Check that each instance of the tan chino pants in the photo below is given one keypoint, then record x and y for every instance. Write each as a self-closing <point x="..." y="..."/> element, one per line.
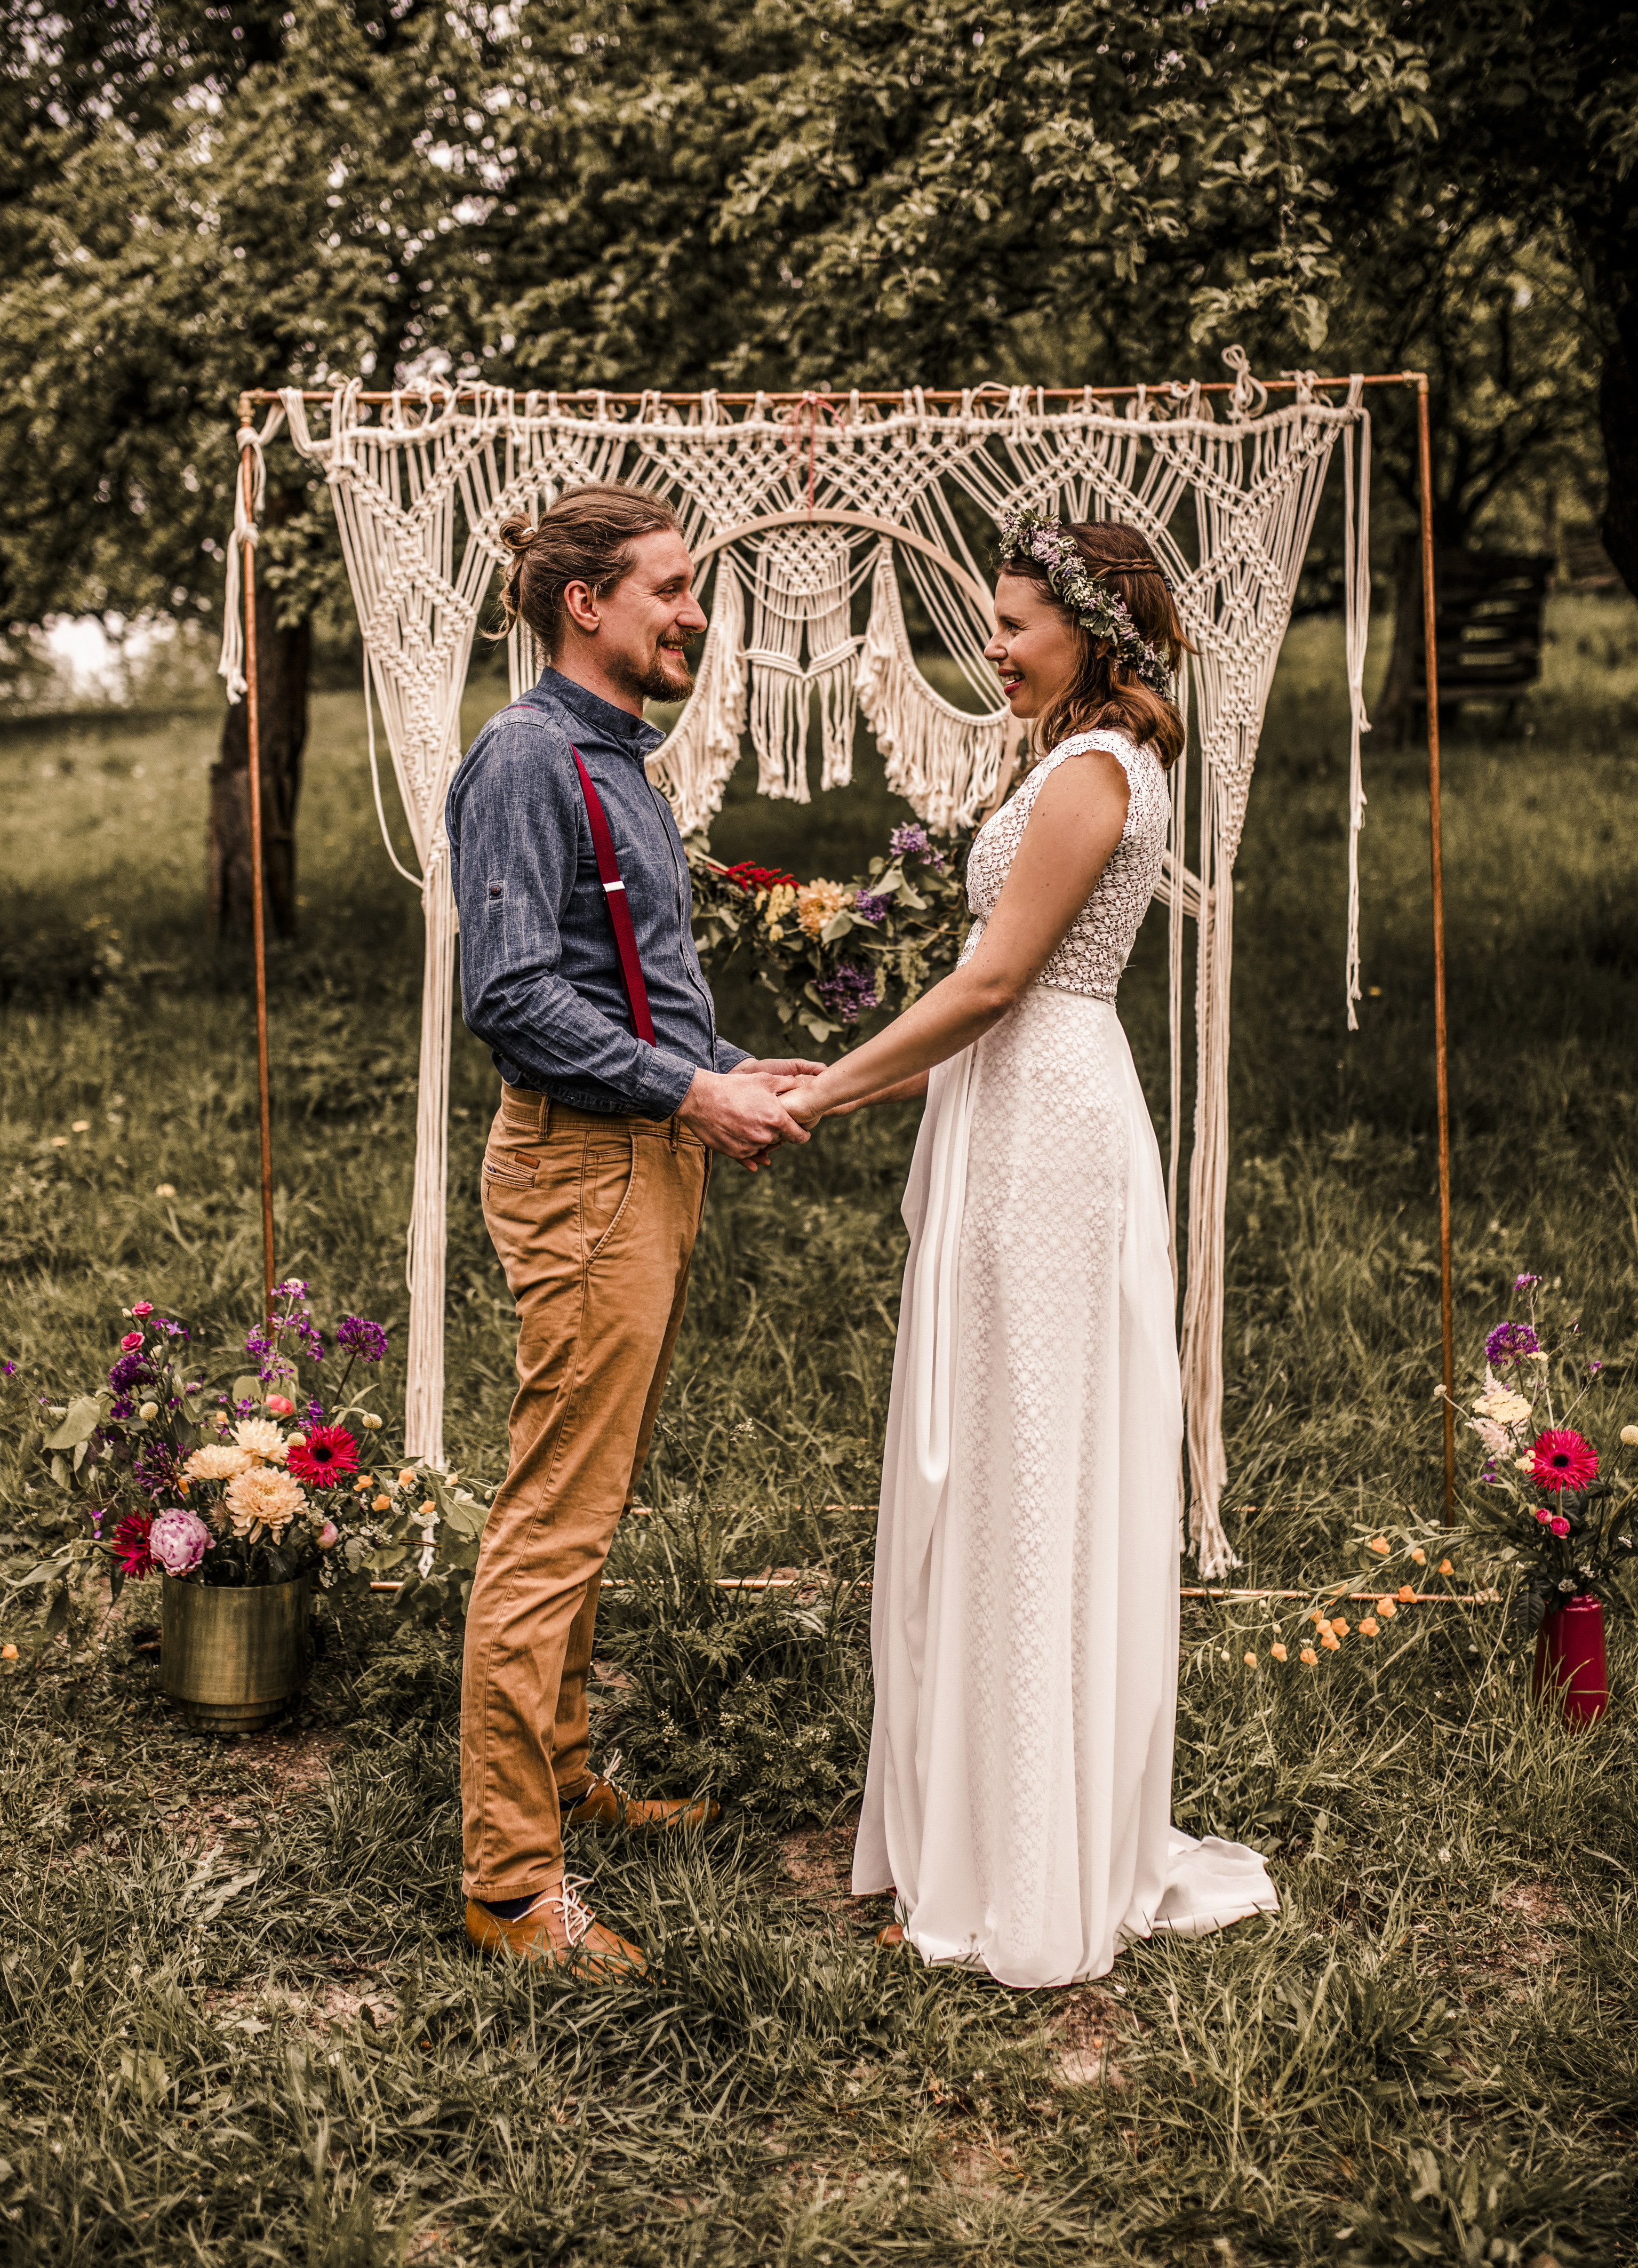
<point x="594" y="1219"/>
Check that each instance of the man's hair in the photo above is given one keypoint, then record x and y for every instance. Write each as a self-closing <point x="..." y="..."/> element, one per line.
<point x="586" y="537"/>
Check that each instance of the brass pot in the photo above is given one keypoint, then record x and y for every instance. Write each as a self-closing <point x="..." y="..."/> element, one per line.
<point x="234" y="1658"/>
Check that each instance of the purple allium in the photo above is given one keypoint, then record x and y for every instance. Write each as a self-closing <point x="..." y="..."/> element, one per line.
<point x="1510" y="1343"/>
<point x="912" y="841"/>
<point x="178" y="1541"/>
<point x="358" y="1336"/>
<point x="867" y="907"/>
<point x="133" y="1369"/>
<point x="848" y="993"/>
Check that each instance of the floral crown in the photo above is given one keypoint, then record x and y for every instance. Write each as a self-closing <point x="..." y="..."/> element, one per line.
<point x="1030" y="534"/>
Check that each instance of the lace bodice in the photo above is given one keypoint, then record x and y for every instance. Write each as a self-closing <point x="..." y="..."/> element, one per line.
<point x="1100" y="937"/>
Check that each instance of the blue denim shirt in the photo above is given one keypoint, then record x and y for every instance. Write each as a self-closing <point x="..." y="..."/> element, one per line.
<point x="539" y="977"/>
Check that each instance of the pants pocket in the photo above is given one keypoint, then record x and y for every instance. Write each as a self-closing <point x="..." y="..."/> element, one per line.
<point x="607" y="1180"/>
<point x="510" y="1169"/>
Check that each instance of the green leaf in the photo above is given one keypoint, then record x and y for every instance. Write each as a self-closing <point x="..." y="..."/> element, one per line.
<point x="248" y="1386"/>
<point x="81" y="1421"/>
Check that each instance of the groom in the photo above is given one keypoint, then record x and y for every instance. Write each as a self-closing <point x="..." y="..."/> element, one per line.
<point x="595" y="1174"/>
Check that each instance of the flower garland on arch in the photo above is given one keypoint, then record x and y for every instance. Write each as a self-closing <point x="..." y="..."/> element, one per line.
<point x="1037" y="535"/>
<point x="834" y="953"/>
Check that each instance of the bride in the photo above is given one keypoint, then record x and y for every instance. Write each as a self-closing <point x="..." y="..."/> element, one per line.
<point x="1024" y="1622"/>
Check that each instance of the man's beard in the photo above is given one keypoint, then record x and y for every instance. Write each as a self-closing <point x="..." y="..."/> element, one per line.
<point x="657" y="683"/>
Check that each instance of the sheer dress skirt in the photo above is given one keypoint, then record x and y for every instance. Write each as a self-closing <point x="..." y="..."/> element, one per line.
<point x="1024" y="1619"/>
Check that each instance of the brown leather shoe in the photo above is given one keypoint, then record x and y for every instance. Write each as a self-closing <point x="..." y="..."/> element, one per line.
<point x="557" y="1929"/>
<point x="603" y="1807"/>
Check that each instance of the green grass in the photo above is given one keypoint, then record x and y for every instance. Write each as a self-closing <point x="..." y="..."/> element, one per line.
<point x="238" y="2020"/>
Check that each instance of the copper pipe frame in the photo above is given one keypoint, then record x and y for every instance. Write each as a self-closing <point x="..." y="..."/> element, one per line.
<point x="1418" y="379"/>
<point x="257" y="909"/>
<point x="1424" y="453"/>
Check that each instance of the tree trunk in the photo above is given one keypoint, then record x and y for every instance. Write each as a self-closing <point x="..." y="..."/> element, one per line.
<point x="282" y="660"/>
<point x="1617" y="414"/>
<point x="1402" y="689"/>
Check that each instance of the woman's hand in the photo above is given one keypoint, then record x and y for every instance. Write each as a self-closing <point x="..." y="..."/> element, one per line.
<point x="808" y="1111"/>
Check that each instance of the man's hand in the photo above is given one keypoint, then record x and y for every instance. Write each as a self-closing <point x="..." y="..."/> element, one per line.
<point x="742" y="1118"/>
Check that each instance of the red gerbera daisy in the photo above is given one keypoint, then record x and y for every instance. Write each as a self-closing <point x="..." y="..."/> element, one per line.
<point x="327" y="1455"/>
<point x="130" y="1541"/>
<point x="1562" y="1460"/>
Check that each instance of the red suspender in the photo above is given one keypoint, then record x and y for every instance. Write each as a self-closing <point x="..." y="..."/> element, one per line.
<point x="619" y="911"/>
<point x="613" y="894"/>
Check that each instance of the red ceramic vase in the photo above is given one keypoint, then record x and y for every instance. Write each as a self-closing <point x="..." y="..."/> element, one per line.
<point x="1570" y="1659"/>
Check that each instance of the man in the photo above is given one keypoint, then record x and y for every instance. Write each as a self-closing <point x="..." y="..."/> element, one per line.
<point x="595" y="1173"/>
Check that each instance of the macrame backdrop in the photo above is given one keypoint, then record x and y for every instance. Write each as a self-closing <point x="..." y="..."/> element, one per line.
<point x="798" y="505"/>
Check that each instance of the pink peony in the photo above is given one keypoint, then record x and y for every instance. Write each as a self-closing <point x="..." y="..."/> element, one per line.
<point x="132" y="1342"/>
<point x="141" y="1309"/>
<point x="1559" y="1527"/>
<point x="178" y="1541"/>
<point x="1562" y="1460"/>
<point x="280" y="1405"/>
<point x="329" y="1536"/>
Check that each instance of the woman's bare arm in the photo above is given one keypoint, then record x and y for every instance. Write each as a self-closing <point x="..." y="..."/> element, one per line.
<point x="1073" y="829"/>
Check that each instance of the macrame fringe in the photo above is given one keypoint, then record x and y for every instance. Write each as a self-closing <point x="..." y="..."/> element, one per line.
<point x="691" y="765"/>
<point x="801" y="593"/>
<point x="423" y="1400"/>
<point x="942" y="760"/>
<point x="231" y="665"/>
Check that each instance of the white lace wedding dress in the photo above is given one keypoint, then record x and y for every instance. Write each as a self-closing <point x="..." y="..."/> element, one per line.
<point x="1024" y="1619"/>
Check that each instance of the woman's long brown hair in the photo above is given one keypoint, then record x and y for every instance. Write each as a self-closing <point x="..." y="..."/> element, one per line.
<point x="1102" y="694"/>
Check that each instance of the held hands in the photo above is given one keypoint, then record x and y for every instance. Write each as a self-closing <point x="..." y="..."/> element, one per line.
<point x="743" y="1113"/>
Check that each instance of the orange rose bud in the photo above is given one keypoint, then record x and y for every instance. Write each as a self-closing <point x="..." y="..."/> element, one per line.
<point x="1419" y="1557"/>
<point x="1308" y="1657"/>
<point x="1445" y="1568"/>
<point x="1406" y="1594"/>
<point x="1380" y="1545"/>
<point x="1368" y="1627"/>
<point x="1339" y="1625"/>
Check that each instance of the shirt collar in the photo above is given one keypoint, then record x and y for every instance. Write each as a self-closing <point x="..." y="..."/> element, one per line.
<point x="633" y="734"/>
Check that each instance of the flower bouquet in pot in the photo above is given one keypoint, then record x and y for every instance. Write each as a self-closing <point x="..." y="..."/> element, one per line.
<point x="243" y="1497"/>
<point x="1551" y="1507"/>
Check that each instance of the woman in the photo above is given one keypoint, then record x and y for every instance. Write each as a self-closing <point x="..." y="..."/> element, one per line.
<point x="1025" y="1625"/>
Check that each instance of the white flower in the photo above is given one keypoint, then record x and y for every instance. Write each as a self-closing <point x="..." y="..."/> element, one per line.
<point x="149" y="1411"/>
<point x="1497" y="1440"/>
<point x="260" y="1438"/>
<point x="1503" y="1406"/>
<point x="1629" y="1434"/>
<point x="265" y="1496"/>
<point x="1565" y="1584"/>
<point x="218" y="1460"/>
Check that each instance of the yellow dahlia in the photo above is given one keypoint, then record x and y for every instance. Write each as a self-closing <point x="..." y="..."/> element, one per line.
<point x="817" y="903"/>
<point x="260" y="1438"/>
<point x="217" y="1461"/>
<point x="263" y="1496"/>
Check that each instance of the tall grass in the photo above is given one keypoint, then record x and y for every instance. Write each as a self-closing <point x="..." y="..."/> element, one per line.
<point x="239" y="2019"/>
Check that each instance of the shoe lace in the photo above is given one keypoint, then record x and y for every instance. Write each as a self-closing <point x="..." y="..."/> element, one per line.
<point x="578" y="1915"/>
